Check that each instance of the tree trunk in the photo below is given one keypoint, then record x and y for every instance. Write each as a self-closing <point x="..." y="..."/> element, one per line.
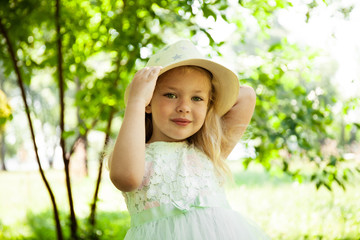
<point x="83" y="136"/>
<point x="353" y="134"/>
<point x="66" y="159"/>
<point x="2" y="152"/>
<point x="2" y="134"/>
<point x="342" y="132"/>
<point x="101" y="161"/>
<point x="27" y="110"/>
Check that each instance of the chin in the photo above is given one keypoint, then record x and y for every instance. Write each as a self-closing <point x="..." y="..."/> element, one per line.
<point x="179" y="138"/>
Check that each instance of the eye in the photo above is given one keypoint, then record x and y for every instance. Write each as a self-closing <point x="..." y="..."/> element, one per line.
<point x="197" y="99"/>
<point x="170" y="95"/>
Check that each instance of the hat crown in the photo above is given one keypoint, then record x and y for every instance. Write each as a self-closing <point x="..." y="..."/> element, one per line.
<point x="177" y="52"/>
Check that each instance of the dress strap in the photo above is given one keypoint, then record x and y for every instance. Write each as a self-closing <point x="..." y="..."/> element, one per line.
<point x="173" y="209"/>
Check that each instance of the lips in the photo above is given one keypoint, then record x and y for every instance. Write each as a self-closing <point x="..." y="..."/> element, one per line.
<point x="181" y="121"/>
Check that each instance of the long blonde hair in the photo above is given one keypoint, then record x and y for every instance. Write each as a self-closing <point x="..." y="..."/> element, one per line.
<point x="210" y="138"/>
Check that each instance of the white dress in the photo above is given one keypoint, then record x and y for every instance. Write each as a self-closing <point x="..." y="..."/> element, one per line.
<point x="181" y="198"/>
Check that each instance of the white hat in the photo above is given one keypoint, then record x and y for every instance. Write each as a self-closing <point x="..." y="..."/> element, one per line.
<point x="183" y="53"/>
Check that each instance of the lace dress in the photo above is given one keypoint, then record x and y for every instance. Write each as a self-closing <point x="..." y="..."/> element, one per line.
<point x="181" y="198"/>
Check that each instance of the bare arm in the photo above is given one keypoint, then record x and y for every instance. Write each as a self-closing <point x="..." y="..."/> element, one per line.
<point x="238" y="118"/>
<point x="128" y="158"/>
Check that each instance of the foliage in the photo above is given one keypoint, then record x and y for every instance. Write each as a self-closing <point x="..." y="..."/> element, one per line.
<point x="294" y="117"/>
<point x="40" y="226"/>
<point x="113" y="31"/>
<point x="5" y="110"/>
<point x="263" y="10"/>
<point x="293" y="114"/>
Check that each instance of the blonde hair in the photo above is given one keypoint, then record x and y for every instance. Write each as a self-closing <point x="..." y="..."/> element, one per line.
<point x="210" y="138"/>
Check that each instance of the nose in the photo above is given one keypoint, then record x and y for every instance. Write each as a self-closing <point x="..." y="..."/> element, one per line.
<point x="183" y="106"/>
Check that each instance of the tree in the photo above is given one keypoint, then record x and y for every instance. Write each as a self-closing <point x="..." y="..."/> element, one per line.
<point x="20" y="81"/>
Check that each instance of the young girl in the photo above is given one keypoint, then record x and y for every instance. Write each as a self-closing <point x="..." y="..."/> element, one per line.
<point x="184" y="115"/>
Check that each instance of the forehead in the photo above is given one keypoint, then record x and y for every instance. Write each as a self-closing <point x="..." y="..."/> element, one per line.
<point x="186" y="75"/>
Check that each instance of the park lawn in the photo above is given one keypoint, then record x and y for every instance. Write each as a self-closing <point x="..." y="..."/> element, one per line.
<point x="289" y="210"/>
<point x="282" y="208"/>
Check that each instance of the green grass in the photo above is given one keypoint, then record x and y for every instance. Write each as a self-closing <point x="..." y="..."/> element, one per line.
<point x="289" y="210"/>
<point x="284" y="209"/>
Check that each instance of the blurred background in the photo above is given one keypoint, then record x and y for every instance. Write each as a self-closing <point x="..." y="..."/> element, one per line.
<point x="64" y="67"/>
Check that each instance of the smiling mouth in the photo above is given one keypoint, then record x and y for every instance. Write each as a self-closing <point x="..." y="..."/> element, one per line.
<point x="181" y="121"/>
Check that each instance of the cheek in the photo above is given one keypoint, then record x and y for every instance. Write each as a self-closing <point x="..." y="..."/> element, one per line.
<point x="161" y="108"/>
<point x="201" y="113"/>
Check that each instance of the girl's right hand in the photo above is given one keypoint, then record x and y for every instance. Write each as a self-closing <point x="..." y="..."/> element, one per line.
<point x="143" y="84"/>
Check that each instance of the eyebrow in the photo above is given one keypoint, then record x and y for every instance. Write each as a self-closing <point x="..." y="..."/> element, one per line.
<point x="176" y="89"/>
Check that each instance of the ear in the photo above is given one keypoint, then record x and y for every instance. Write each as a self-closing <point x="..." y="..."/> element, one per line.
<point x="148" y="108"/>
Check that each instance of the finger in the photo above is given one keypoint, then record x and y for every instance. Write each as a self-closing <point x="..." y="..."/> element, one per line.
<point x="152" y="72"/>
<point x="155" y="72"/>
<point x="140" y="73"/>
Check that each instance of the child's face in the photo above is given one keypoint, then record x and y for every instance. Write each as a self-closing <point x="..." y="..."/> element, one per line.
<point x="179" y="104"/>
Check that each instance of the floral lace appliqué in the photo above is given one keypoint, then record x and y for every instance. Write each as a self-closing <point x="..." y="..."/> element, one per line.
<point x="175" y="173"/>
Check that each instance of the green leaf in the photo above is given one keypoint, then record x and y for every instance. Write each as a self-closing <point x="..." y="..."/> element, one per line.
<point x="67" y="134"/>
<point x="333" y="160"/>
<point x="327" y="186"/>
<point x="275" y="46"/>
